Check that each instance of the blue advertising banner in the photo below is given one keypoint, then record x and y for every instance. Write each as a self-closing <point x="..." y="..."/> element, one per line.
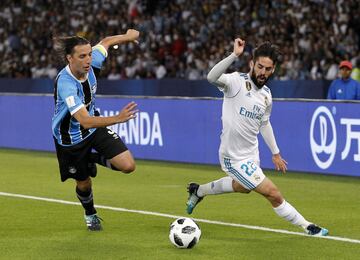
<point x="322" y="137"/>
<point x="319" y="137"/>
<point x="183" y="130"/>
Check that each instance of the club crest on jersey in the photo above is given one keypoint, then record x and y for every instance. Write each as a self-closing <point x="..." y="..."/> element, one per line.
<point x="248" y="85"/>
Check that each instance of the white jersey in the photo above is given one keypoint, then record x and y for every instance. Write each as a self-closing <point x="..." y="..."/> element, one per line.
<point x="245" y="108"/>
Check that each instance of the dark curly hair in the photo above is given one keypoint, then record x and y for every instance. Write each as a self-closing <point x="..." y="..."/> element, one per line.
<point x="267" y="49"/>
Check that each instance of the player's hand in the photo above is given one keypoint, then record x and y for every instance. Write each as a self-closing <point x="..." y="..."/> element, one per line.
<point x="128" y="112"/>
<point x="239" y="46"/>
<point x="279" y="162"/>
<point x="132" y="35"/>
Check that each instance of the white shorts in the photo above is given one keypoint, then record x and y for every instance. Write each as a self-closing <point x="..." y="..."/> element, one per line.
<point x="246" y="172"/>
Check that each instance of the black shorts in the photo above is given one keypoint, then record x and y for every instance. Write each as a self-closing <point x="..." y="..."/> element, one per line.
<point x="74" y="161"/>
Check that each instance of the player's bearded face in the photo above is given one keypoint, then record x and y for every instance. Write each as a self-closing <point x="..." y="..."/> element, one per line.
<point x="80" y="60"/>
<point x="261" y="71"/>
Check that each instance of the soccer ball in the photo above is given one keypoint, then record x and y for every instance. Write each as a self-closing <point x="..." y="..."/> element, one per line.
<point x="184" y="233"/>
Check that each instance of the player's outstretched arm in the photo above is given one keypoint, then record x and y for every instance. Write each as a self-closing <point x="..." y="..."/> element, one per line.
<point x="130" y="36"/>
<point x="87" y="121"/>
<point x="215" y="73"/>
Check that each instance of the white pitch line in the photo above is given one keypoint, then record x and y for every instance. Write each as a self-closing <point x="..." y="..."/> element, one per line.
<point x="282" y="231"/>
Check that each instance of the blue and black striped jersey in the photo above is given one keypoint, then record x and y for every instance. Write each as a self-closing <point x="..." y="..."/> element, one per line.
<point x="71" y="95"/>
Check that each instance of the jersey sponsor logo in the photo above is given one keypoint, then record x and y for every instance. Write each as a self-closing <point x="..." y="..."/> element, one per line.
<point x="323" y="137"/>
<point x="248" y="85"/>
<point x="145" y="129"/>
<point x="256" y="114"/>
<point x="70" y="101"/>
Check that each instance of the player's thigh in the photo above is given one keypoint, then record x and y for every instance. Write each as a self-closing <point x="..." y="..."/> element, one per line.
<point x="238" y="187"/>
<point x="73" y="160"/>
<point x="110" y="145"/>
<point x="246" y="173"/>
<point x="268" y="189"/>
<point x="124" y="162"/>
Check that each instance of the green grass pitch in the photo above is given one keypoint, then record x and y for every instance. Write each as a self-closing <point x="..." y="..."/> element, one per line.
<point x="32" y="229"/>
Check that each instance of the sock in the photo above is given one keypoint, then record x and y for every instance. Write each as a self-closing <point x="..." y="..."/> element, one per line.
<point x="100" y="159"/>
<point x="288" y="212"/>
<point x="86" y="199"/>
<point x="223" y="185"/>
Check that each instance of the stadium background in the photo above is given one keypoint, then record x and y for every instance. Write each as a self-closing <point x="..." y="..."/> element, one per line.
<point x="180" y="41"/>
<point x="182" y="38"/>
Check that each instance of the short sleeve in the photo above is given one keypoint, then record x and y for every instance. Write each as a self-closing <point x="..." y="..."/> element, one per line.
<point x="67" y="91"/>
<point x="99" y="54"/>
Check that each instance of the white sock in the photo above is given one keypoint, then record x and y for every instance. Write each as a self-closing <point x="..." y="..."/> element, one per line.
<point x="288" y="212"/>
<point x="223" y="185"/>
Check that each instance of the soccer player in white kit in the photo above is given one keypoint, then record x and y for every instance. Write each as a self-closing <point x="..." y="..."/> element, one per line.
<point x="246" y="111"/>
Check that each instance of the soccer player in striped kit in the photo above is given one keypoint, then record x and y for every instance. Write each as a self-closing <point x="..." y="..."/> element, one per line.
<point x="246" y="111"/>
<point x="76" y="125"/>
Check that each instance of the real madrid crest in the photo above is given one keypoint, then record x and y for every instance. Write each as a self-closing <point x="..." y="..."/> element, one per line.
<point x="248" y="85"/>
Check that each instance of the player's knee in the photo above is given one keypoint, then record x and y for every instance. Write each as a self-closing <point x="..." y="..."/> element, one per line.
<point x="128" y="167"/>
<point x="84" y="185"/>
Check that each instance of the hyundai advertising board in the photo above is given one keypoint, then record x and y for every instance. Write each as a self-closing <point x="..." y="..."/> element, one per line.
<point x="322" y="137"/>
<point x="319" y="137"/>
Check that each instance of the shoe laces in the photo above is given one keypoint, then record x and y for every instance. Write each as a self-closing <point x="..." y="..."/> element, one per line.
<point x="95" y="219"/>
<point x="313" y="229"/>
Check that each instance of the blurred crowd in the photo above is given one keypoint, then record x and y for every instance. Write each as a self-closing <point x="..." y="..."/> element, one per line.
<point x="182" y="38"/>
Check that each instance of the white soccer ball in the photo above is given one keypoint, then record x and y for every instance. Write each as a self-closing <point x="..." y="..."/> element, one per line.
<point x="184" y="233"/>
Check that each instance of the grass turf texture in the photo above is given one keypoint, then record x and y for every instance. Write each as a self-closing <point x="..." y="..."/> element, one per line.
<point x="32" y="229"/>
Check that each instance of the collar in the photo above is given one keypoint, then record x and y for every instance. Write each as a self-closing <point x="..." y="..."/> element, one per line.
<point x="67" y="68"/>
